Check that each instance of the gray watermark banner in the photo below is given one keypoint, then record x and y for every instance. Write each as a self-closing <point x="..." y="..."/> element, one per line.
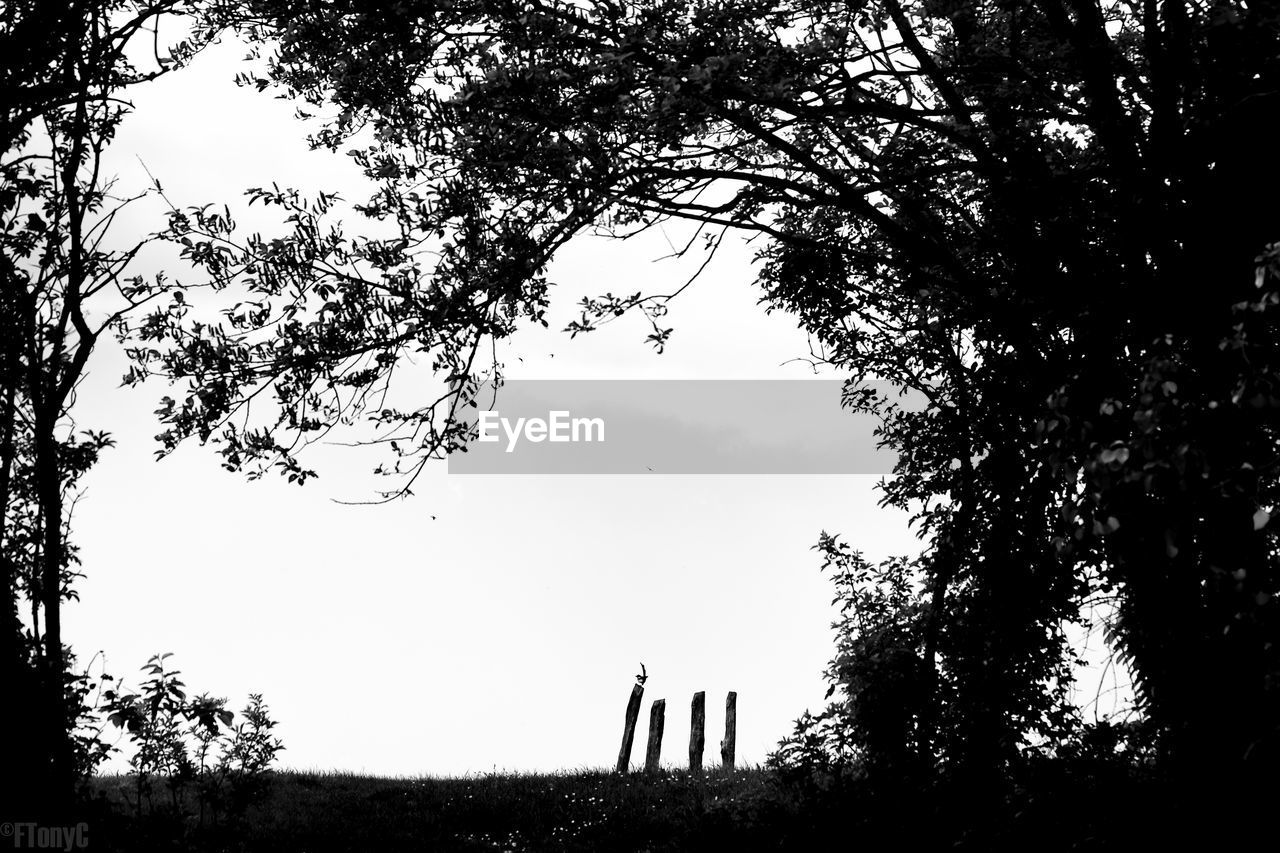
<point x="645" y="426"/>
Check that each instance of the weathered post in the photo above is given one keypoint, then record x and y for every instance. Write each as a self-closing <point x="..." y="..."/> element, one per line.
<point x="657" y="719"/>
<point x="697" y="732"/>
<point x="727" y="745"/>
<point x="629" y="731"/>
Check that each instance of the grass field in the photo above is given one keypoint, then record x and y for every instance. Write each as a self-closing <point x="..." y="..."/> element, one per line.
<point x="742" y="812"/>
<point x="587" y="811"/>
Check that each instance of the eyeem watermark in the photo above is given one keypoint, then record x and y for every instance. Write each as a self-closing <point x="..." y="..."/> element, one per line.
<point x="558" y="426"/>
<point x="682" y="426"/>
<point x="33" y="836"/>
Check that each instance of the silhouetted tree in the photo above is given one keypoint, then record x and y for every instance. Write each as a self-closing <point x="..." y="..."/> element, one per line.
<point x="65" y="70"/>
<point x="1031" y="211"/>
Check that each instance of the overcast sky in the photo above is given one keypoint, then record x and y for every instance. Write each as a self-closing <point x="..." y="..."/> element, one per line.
<point x="504" y="634"/>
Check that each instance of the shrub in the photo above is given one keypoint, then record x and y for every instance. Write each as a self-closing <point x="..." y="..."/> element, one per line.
<point x="875" y="679"/>
<point x="206" y="762"/>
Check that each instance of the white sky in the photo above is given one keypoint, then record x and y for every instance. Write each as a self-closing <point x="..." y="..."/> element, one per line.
<point x="505" y="633"/>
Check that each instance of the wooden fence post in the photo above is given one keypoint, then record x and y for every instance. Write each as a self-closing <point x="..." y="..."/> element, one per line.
<point x="728" y="745"/>
<point x="629" y="731"/>
<point x="657" y="719"/>
<point x="697" y="732"/>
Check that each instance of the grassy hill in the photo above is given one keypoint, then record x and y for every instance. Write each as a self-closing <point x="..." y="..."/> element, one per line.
<point x="589" y="811"/>
<point x="745" y="811"/>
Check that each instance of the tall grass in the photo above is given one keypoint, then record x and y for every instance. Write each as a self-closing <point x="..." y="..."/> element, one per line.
<point x="585" y="810"/>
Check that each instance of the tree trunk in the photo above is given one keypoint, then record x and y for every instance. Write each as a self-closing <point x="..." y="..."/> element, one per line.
<point x="53" y="663"/>
<point x="24" y="756"/>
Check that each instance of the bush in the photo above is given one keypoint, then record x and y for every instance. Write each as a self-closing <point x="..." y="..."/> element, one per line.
<point x="875" y="680"/>
<point x="191" y="749"/>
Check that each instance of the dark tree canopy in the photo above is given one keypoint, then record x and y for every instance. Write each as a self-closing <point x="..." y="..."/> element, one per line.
<point x="1051" y="216"/>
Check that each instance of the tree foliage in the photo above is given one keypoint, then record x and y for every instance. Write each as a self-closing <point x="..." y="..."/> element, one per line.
<point x="877" y="689"/>
<point x="1030" y="211"/>
<point x="65" y="281"/>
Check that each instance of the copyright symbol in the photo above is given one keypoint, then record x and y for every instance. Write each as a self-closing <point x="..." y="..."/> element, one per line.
<point x="6" y="830"/>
